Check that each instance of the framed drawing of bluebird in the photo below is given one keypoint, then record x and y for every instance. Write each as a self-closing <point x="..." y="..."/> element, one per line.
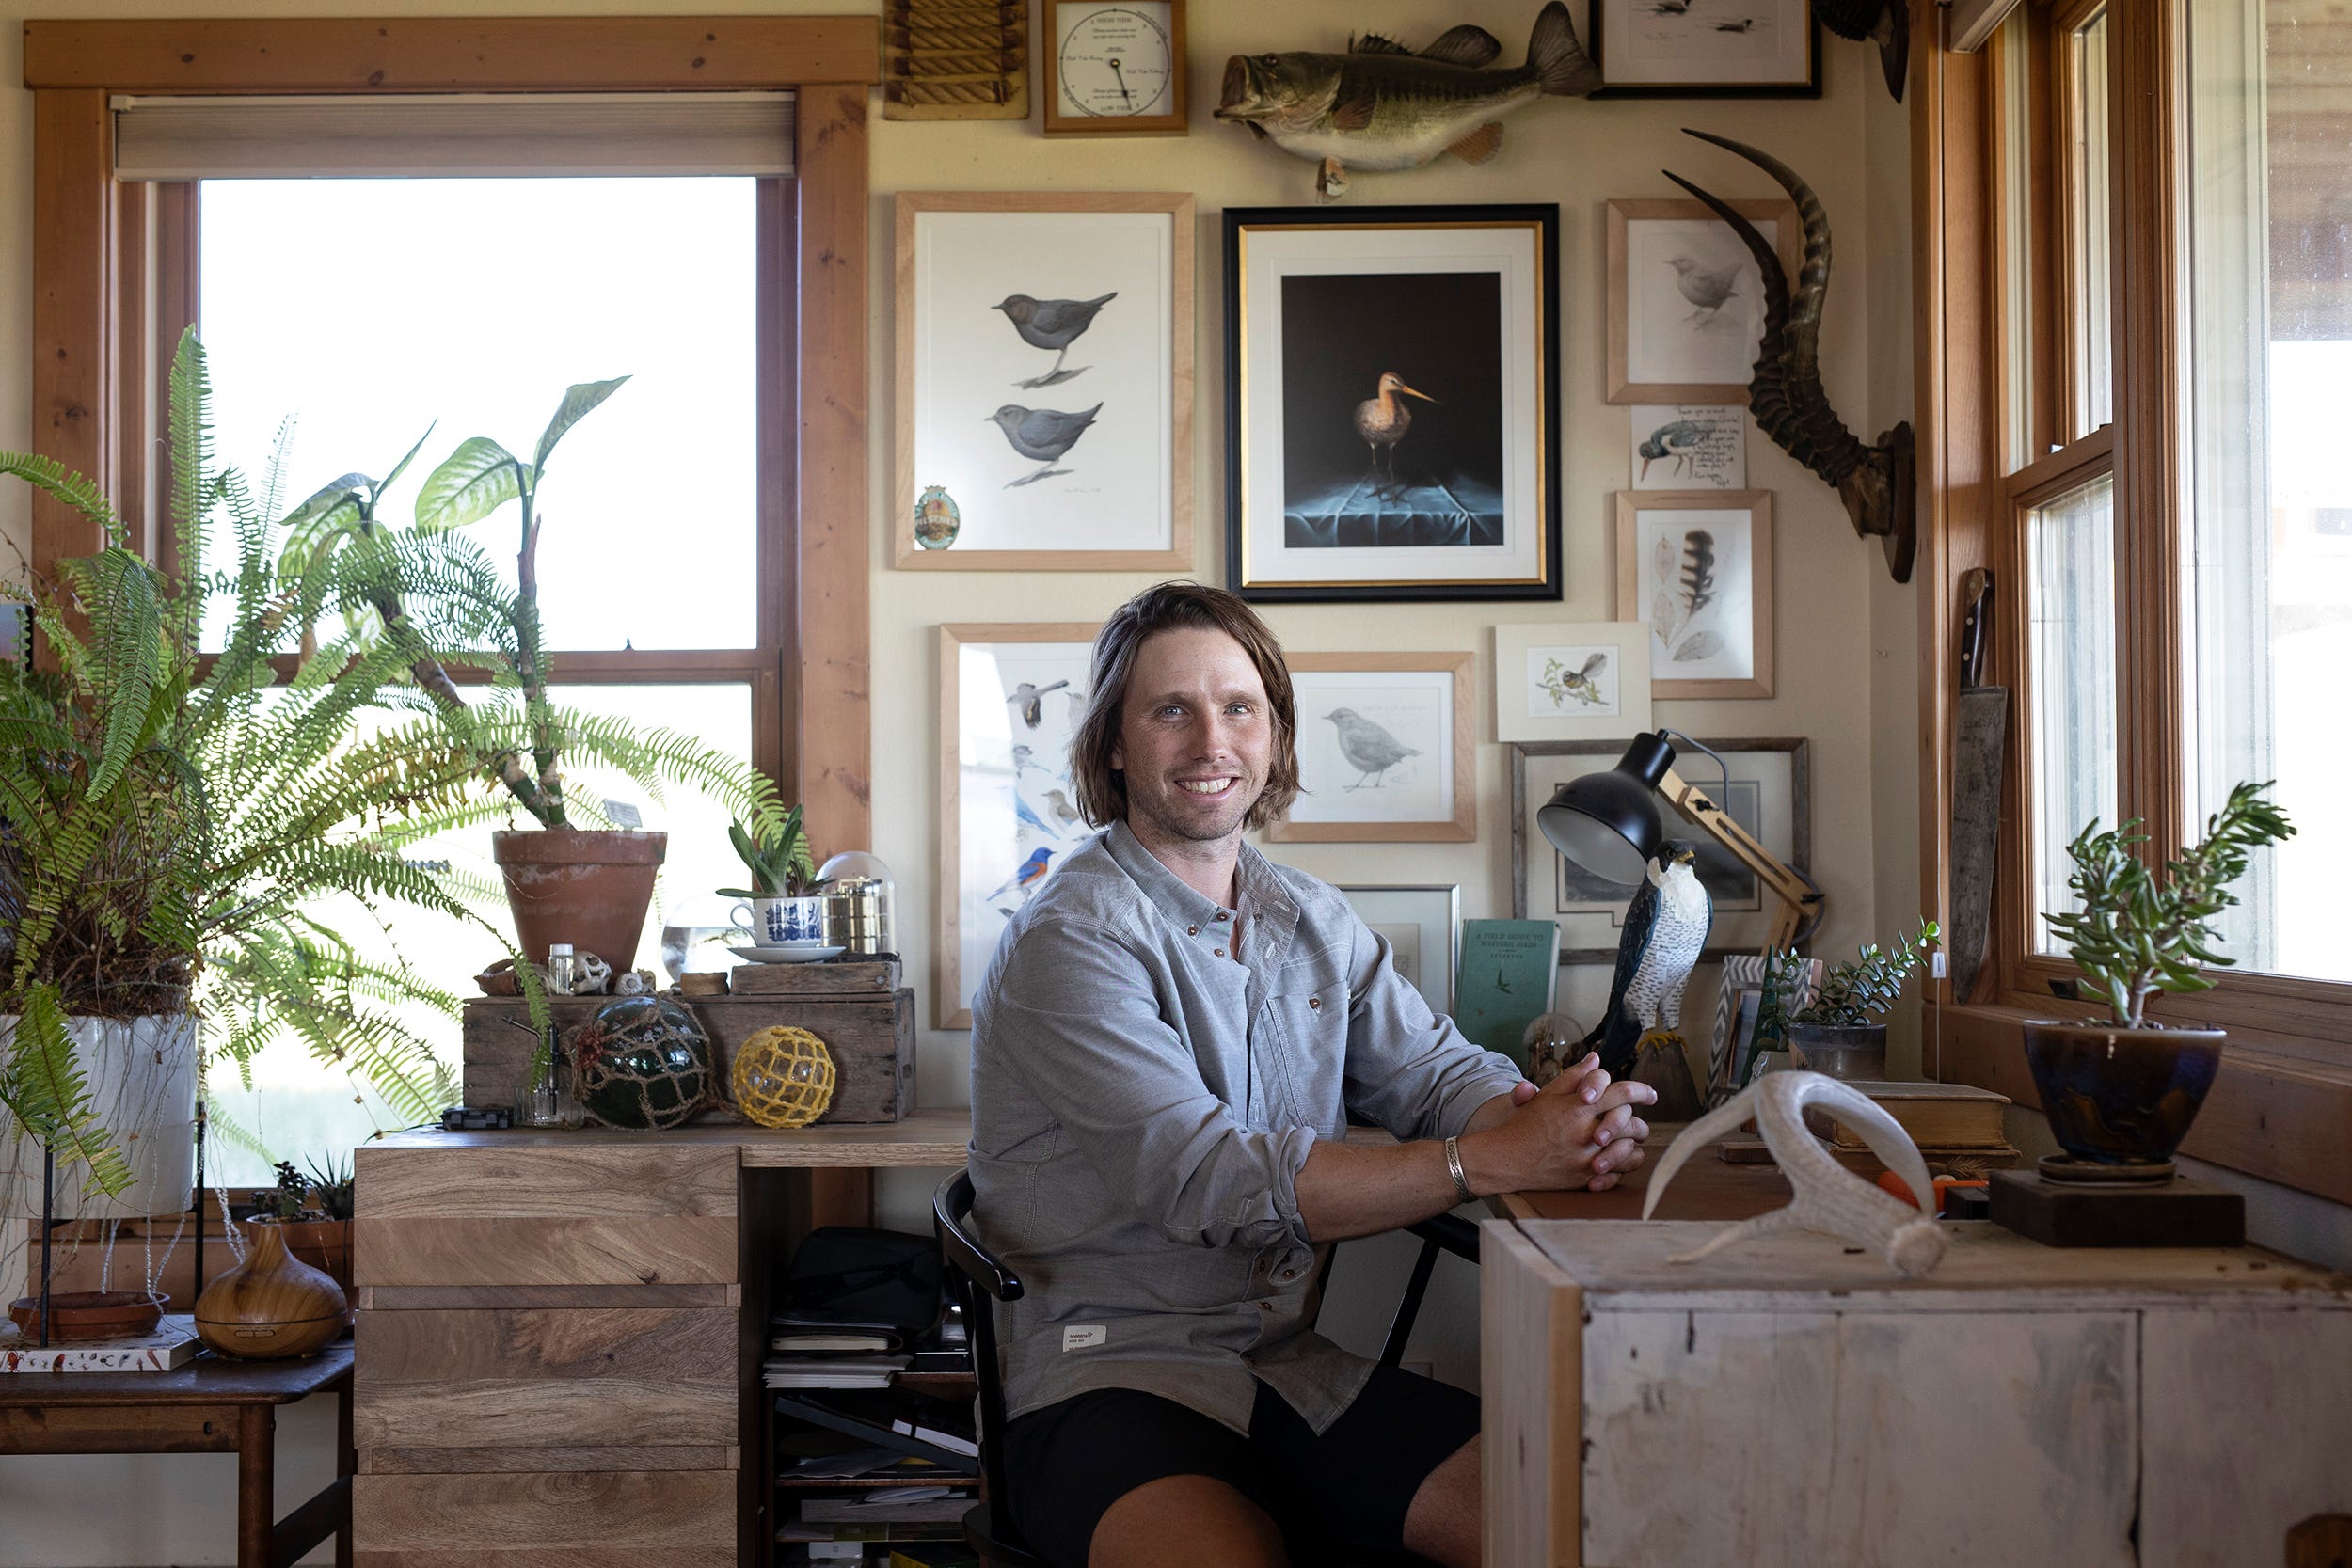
<point x="1686" y="302"/>
<point x="1386" y="750"/>
<point x="1009" y="697"/>
<point x="1044" y="382"/>
<point x="1392" y="395"/>
<point x="1769" y="793"/>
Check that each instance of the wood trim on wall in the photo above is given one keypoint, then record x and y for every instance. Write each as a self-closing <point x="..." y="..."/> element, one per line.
<point x="418" y="53"/>
<point x="73" y="307"/>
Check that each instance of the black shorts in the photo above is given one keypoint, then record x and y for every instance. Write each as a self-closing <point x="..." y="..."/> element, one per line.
<point x="1066" y="1464"/>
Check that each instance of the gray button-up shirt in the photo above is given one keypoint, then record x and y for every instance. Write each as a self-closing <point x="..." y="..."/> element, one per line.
<point x="1141" y="1104"/>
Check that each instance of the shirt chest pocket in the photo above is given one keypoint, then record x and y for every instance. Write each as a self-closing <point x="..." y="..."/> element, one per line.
<point x="1310" y="1064"/>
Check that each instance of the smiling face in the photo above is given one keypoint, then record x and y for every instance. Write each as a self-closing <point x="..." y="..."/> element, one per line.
<point x="1196" y="737"/>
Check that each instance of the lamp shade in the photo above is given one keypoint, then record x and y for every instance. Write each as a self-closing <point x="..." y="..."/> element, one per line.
<point x="1609" y="823"/>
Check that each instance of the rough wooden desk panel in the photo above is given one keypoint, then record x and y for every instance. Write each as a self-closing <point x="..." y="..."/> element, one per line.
<point x="597" y="1519"/>
<point x="2019" y="1405"/>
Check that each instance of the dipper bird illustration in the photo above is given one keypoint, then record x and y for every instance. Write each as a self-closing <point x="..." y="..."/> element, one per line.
<point x="1029" y="698"/>
<point x="1878" y="484"/>
<point x="1381" y="422"/>
<point x="1041" y="434"/>
<point x="1368" y="747"/>
<point x="1032" y="872"/>
<point x="1383" y="106"/>
<point x="1706" y="287"/>
<point x="1054" y="324"/>
<point x="1885" y="23"/>
<point x="1059" y="804"/>
<point x="1672" y="440"/>
<point x="1666" y="927"/>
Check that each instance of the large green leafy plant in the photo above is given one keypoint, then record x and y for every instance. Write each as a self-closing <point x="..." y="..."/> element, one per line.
<point x="2136" y="934"/>
<point x="170" y="822"/>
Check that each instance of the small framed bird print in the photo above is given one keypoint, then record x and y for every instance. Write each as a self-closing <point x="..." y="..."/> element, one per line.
<point x="1568" y="680"/>
<point x="1708" y="48"/>
<point x="1686" y="300"/>
<point x="1386" y="750"/>
<point x="1044" y="382"/>
<point x="1696" y="567"/>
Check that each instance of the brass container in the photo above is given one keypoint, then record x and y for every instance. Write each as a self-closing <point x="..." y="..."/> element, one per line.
<point x="858" y="916"/>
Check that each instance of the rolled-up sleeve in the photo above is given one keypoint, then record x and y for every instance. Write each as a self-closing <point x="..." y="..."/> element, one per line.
<point x="1096" y="1051"/>
<point x="1408" y="1070"/>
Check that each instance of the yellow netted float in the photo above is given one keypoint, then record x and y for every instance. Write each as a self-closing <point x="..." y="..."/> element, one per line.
<point x="783" y="1077"/>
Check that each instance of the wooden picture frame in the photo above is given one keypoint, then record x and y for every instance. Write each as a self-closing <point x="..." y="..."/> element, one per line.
<point x="1737" y="614"/>
<point x="1326" y="306"/>
<point x="1115" y="490"/>
<point x="1769" y="794"/>
<point x="1547" y="686"/>
<point x="1652" y="315"/>
<point x="1647" y="50"/>
<point x="1398" y="698"/>
<point x="998" y="810"/>
<point x="1136" y="20"/>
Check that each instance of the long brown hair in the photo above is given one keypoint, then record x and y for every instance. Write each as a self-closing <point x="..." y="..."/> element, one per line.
<point x="1177" y="607"/>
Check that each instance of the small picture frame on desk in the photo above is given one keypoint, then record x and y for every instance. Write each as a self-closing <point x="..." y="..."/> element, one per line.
<point x="1419" y="921"/>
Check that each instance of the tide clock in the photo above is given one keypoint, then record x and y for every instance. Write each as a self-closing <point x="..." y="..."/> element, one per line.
<point x="1114" y="67"/>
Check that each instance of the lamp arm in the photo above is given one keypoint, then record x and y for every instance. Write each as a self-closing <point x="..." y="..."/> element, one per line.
<point x="1801" y="902"/>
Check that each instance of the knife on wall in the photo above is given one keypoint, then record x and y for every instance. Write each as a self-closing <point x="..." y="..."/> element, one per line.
<point x="1983" y="728"/>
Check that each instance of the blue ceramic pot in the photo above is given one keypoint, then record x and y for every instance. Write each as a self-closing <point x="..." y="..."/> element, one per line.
<point x="2120" y="1096"/>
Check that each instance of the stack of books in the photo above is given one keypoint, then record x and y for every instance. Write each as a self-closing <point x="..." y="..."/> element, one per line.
<point x="1957" y="1127"/>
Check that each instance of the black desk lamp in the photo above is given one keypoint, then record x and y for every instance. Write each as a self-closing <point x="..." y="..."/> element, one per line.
<point x="1609" y="823"/>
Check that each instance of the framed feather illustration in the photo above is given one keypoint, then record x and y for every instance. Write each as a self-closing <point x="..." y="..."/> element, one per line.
<point x="1698" y="567"/>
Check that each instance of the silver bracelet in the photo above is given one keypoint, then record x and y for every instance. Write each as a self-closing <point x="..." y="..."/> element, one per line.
<point x="1454" y="1163"/>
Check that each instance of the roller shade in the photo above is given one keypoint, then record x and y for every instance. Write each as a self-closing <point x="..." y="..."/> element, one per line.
<point x="428" y="137"/>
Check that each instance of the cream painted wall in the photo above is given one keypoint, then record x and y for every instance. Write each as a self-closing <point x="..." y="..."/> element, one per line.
<point x="1845" y="635"/>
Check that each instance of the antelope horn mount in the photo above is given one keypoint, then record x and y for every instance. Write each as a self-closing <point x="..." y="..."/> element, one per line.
<point x="1829" y="1198"/>
<point x="1877" y="484"/>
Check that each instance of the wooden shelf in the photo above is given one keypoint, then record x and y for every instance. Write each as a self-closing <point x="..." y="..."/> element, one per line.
<point x="811" y="1484"/>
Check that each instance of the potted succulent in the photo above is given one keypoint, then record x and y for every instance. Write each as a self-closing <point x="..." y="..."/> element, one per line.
<point x="784" y="906"/>
<point x="1834" y="1031"/>
<point x="2121" y="1091"/>
<point x="312" y="1211"/>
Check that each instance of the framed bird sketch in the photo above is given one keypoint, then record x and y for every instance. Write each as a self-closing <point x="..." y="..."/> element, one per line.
<point x="1386" y="750"/>
<point x="1044" y="382"/>
<point x="1697" y="565"/>
<point x="1689" y="446"/>
<point x="1419" y="923"/>
<point x="1009" y="699"/>
<point x="1706" y="49"/>
<point x="1571" y="680"/>
<point x="1686" y="300"/>
<point x="1770" y="793"/>
<point x="1393" y="387"/>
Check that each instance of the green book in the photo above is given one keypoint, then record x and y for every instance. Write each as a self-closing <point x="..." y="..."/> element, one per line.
<point x="1505" y="981"/>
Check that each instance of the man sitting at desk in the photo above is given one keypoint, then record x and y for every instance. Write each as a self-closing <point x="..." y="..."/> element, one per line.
<point x="1165" y="1050"/>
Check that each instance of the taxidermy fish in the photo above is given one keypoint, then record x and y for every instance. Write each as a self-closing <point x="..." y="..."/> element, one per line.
<point x="1383" y="106"/>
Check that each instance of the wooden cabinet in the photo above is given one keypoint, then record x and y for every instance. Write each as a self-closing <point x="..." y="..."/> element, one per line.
<point x="1786" y="1402"/>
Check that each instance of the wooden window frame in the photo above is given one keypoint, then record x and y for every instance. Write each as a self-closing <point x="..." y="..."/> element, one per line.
<point x="98" y="318"/>
<point x="2278" y="1107"/>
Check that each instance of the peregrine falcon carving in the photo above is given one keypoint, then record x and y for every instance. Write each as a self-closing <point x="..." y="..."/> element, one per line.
<point x="1665" y="928"/>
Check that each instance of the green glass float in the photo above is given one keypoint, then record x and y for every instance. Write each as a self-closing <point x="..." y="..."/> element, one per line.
<point x="642" y="1062"/>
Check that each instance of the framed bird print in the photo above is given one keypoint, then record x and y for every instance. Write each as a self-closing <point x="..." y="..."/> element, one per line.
<point x="1393" y="395"/>
<point x="1386" y="750"/>
<point x="1570" y="680"/>
<point x="1009" y="699"/>
<point x="1706" y="49"/>
<point x="1044" y="382"/>
<point x="1686" y="300"/>
<point x="1697" y="566"/>
<point x="1768" y="792"/>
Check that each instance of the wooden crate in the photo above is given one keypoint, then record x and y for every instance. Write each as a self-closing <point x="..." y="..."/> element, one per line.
<point x="1787" y="1402"/>
<point x="869" y="1033"/>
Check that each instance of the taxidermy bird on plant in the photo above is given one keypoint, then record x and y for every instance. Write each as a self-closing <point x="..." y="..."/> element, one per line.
<point x="1665" y="929"/>
<point x="1877" y="484"/>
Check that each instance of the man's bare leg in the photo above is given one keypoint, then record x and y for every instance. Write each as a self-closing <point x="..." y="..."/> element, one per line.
<point x="1184" y="1521"/>
<point x="1443" y="1522"/>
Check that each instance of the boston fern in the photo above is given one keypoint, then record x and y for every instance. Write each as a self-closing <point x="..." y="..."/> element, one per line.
<point x="2136" y="936"/>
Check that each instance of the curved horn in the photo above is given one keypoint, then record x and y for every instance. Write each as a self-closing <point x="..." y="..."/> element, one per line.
<point x="1724" y="1119"/>
<point x="1767" y="386"/>
<point x="1880" y="1131"/>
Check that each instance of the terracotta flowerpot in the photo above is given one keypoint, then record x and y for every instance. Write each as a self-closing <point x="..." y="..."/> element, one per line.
<point x="79" y="1315"/>
<point x="273" y="1304"/>
<point x="1839" y="1050"/>
<point x="2120" y="1097"/>
<point x="589" y="889"/>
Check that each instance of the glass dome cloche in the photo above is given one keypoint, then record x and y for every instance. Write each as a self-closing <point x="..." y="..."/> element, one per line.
<point x="860" y="896"/>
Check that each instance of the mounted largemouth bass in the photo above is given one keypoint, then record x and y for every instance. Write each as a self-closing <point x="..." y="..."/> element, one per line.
<point x="1382" y="107"/>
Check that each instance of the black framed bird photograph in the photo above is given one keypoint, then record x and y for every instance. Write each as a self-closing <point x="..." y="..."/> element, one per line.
<point x="1686" y="300"/>
<point x="1386" y="750"/>
<point x="1393" y="389"/>
<point x="1044" y="381"/>
<point x="1706" y="48"/>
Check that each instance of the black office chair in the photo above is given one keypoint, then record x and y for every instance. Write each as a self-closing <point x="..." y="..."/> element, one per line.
<point x="976" y="1281"/>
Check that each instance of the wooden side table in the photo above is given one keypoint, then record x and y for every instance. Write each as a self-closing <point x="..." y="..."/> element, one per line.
<point x="208" y="1406"/>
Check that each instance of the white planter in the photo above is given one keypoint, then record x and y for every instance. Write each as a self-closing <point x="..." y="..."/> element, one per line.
<point x="141" y="1073"/>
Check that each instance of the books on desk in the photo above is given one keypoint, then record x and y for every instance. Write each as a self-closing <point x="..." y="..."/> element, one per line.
<point x="803" y="1332"/>
<point x="1943" y="1115"/>
<point x="171" y="1344"/>
<point x="831" y="1372"/>
<point x="1506" y="976"/>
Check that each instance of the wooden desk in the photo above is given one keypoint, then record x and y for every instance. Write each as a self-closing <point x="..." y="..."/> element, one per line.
<point x="1706" y="1189"/>
<point x="208" y="1406"/>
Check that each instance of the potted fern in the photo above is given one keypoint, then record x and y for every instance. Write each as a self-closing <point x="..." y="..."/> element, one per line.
<point x="2120" y="1091"/>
